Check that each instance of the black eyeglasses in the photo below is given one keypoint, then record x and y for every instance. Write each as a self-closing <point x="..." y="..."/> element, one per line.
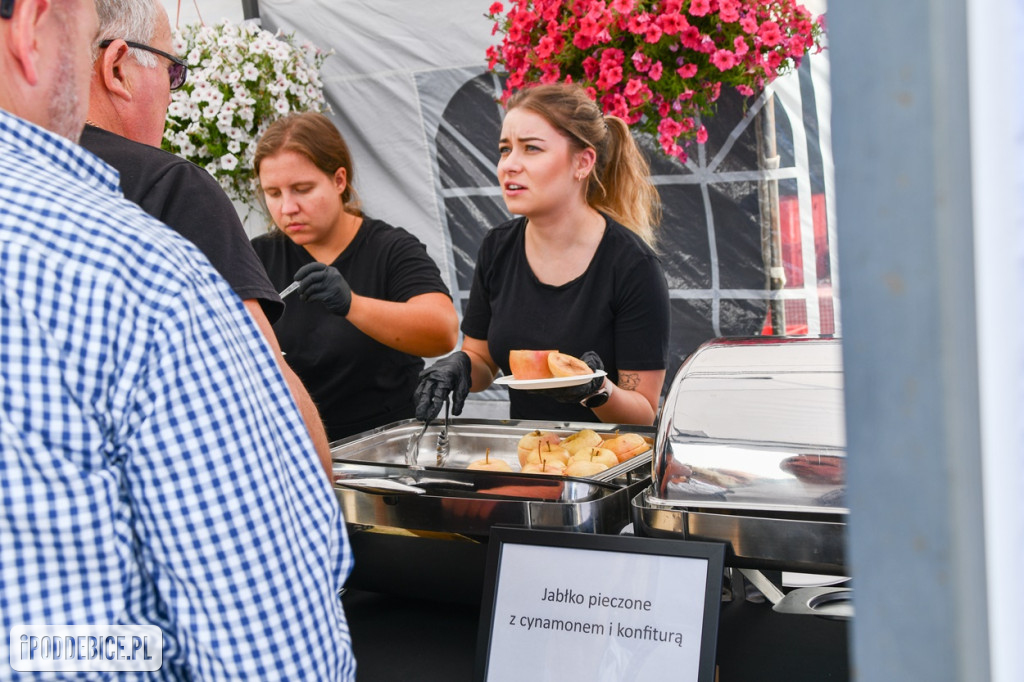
<point x="177" y="69"/>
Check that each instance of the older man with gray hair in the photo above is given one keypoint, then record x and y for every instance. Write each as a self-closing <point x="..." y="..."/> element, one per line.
<point x="155" y="472"/>
<point x="133" y="76"/>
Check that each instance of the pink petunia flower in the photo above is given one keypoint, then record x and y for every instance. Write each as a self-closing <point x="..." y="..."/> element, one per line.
<point x="745" y="90"/>
<point x="633" y="87"/>
<point x="550" y="73"/>
<point x="672" y="24"/>
<point x="638" y="23"/>
<point x="749" y="23"/>
<point x="655" y="73"/>
<point x="613" y="55"/>
<point x="614" y="104"/>
<point x="637" y="92"/>
<point x="610" y="75"/>
<point x="496" y="8"/>
<point x="723" y="59"/>
<point x="699" y="8"/>
<point x="729" y="11"/>
<point x="690" y="37"/>
<point x="671" y="6"/>
<point x="545" y="47"/>
<point x="687" y="70"/>
<point x="583" y="41"/>
<point x="622" y="6"/>
<point x="702" y="135"/>
<point x="641" y="62"/>
<point x="769" y="33"/>
<point x="670" y="127"/>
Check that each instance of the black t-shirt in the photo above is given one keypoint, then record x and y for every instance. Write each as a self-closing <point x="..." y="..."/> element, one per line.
<point x="189" y="200"/>
<point x="618" y="307"/>
<point x="356" y="382"/>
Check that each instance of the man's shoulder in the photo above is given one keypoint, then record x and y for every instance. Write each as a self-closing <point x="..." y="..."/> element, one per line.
<point x="141" y="166"/>
<point x="274" y="244"/>
<point x="118" y="150"/>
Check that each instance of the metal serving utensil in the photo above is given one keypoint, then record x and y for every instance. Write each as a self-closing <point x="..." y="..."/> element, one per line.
<point x="442" y="438"/>
<point x="413" y="450"/>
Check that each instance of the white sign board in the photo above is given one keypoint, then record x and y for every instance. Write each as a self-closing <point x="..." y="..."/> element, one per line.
<point x="574" y="607"/>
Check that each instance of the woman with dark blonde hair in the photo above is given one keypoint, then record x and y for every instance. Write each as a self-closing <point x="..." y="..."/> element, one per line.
<point x="577" y="272"/>
<point x="371" y="303"/>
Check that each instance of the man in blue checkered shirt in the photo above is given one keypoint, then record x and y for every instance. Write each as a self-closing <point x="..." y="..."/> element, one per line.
<point x="153" y="466"/>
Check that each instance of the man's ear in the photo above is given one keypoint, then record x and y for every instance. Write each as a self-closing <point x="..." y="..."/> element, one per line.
<point x="112" y="72"/>
<point x="24" y="44"/>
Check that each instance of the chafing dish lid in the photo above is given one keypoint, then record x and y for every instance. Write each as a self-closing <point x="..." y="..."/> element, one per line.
<point x="755" y="423"/>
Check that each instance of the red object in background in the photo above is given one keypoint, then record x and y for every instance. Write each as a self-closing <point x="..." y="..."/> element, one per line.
<point x="793" y="263"/>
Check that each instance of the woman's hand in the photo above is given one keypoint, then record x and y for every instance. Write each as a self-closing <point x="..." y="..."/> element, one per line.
<point x="451" y="374"/>
<point x="574" y="394"/>
<point x="319" y="282"/>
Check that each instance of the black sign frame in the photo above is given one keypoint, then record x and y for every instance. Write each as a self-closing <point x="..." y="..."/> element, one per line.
<point x="501" y="536"/>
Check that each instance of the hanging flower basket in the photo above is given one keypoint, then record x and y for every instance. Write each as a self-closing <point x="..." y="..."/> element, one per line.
<point x="241" y="78"/>
<point x="659" y="65"/>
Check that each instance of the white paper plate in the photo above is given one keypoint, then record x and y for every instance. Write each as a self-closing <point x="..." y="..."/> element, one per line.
<point x="557" y="382"/>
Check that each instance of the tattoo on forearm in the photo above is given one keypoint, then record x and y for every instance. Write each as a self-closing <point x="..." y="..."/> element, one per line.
<point x="628" y="381"/>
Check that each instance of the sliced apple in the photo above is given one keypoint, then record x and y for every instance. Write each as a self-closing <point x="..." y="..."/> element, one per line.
<point x="565" y="365"/>
<point x="530" y="364"/>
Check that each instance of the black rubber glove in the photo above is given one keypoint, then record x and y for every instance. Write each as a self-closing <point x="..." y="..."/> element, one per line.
<point x="452" y="374"/>
<point x="574" y="394"/>
<point x="319" y="282"/>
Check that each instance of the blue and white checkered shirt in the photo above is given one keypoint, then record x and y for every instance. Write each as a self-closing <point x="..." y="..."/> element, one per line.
<point x="153" y="466"/>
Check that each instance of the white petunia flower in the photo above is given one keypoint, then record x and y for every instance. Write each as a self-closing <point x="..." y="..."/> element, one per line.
<point x="236" y="71"/>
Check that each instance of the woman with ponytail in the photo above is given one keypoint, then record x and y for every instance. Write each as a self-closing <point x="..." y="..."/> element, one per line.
<point x="577" y="272"/>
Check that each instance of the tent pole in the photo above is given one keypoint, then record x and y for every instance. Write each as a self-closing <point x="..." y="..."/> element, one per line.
<point x="250" y="9"/>
<point x="771" y="239"/>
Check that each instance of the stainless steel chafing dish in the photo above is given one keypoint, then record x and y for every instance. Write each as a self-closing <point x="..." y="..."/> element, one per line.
<point x="750" y="451"/>
<point x="422" y="529"/>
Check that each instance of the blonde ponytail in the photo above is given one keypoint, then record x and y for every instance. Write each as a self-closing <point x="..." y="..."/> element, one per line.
<point x="622" y="186"/>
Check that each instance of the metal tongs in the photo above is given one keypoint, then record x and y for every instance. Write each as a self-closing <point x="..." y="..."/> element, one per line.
<point x="413" y="450"/>
<point x="442" y="438"/>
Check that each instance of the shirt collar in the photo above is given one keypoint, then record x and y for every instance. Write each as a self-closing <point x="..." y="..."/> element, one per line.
<point x="20" y="135"/>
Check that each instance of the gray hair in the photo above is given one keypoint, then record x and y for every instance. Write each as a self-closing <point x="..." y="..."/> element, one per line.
<point x="133" y="20"/>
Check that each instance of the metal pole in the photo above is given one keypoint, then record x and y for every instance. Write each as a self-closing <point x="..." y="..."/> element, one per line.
<point x="250" y="9"/>
<point x="902" y="142"/>
<point x="768" y="190"/>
